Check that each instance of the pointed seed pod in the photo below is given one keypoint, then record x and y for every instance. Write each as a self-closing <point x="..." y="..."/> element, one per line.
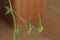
<point x="29" y="26"/>
<point x="40" y="26"/>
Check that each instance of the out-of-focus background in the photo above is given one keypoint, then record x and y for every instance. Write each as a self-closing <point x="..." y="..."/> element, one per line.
<point x="50" y="19"/>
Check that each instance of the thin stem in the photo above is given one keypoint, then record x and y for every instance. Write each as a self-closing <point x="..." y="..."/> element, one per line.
<point x="25" y="22"/>
<point x="14" y="34"/>
<point x="21" y="18"/>
<point x="10" y="4"/>
<point x="39" y="19"/>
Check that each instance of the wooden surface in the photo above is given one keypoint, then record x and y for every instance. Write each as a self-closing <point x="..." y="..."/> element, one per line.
<point x="50" y="19"/>
<point x="30" y="8"/>
<point x="6" y="31"/>
<point x="56" y="2"/>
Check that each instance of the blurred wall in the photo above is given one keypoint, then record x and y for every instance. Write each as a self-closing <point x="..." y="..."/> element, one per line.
<point x="7" y="18"/>
<point x="50" y="19"/>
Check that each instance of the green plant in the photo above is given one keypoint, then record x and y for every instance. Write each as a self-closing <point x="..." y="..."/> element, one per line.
<point x="28" y="26"/>
<point x="27" y="23"/>
<point x="40" y="26"/>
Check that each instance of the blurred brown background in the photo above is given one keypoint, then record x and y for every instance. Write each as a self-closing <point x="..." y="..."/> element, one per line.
<point x="50" y="19"/>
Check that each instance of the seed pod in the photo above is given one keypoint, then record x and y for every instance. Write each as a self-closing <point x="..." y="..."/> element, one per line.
<point x="40" y="26"/>
<point x="28" y="26"/>
<point x="18" y="30"/>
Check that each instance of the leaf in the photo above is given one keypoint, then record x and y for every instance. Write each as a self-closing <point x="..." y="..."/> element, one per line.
<point x="7" y="7"/>
<point x="29" y="26"/>
<point x="18" y="30"/>
<point x="9" y="10"/>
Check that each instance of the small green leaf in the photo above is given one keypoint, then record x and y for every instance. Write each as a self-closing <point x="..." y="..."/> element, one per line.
<point x="18" y="30"/>
<point x="29" y="26"/>
<point x="7" y="7"/>
<point x="9" y="10"/>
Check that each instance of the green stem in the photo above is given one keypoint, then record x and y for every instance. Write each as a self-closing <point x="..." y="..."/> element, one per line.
<point x="14" y="34"/>
<point x="25" y="22"/>
<point x="15" y="26"/>
<point x="39" y="19"/>
<point x="21" y="18"/>
<point x="10" y="4"/>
